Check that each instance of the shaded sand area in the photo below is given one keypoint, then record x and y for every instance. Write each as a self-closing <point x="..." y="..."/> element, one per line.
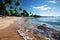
<point x="8" y="29"/>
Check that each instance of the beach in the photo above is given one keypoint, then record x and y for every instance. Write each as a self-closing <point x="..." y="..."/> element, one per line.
<point x="8" y="30"/>
<point x="19" y="28"/>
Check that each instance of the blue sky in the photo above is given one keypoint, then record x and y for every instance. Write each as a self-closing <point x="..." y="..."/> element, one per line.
<point x="42" y="7"/>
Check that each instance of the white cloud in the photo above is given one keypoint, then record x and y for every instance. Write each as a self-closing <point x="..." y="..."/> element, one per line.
<point x="44" y="7"/>
<point x="52" y="1"/>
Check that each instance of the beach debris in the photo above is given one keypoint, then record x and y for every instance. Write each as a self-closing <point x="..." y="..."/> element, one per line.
<point x="26" y="37"/>
<point x="27" y="30"/>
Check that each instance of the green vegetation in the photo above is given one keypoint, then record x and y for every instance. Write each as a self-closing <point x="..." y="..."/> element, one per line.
<point x="35" y="15"/>
<point x="24" y="13"/>
<point x="3" y="6"/>
<point x="13" y="11"/>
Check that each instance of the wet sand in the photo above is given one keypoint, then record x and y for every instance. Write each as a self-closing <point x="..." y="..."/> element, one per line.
<point x="8" y="29"/>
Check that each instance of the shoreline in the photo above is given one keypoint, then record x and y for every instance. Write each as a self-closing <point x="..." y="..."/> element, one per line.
<point x="44" y="34"/>
<point x="30" y="32"/>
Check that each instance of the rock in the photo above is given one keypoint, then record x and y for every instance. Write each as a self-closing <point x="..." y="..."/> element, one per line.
<point x="56" y="36"/>
<point x="27" y="30"/>
<point x="40" y="27"/>
<point x="48" y="39"/>
<point x="43" y="29"/>
<point x="43" y="26"/>
<point x="24" y="35"/>
<point x="35" y="32"/>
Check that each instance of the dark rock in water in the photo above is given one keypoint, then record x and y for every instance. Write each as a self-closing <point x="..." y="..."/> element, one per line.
<point x="56" y="36"/>
<point x="45" y="31"/>
<point x="43" y="27"/>
<point x="50" y="32"/>
<point x="44" y="24"/>
<point x="40" y="27"/>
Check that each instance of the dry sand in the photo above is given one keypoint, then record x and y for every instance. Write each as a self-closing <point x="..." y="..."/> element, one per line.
<point x="8" y="30"/>
<point x="5" y="22"/>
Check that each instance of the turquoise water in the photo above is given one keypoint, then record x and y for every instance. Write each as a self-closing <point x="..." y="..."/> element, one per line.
<point x="52" y="22"/>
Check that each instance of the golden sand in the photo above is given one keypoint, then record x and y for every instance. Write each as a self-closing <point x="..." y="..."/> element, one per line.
<point x="8" y="31"/>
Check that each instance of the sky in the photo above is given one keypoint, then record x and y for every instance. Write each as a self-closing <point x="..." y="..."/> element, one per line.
<point x="42" y="7"/>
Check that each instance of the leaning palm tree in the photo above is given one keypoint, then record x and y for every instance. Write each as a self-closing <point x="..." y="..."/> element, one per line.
<point x="8" y="3"/>
<point x="25" y="13"/>
<point x="17" y="2"/>
<point x="3" y="5"/>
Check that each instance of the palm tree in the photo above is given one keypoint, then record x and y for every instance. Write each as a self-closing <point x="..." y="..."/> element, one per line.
<point x="8" y="13"/>
<point x="11" y="7"/>
<point x="16" y="12"/>
<point x="3" y="6"/>
<point x="5" y="3"/>
<point x="11" y="12"/>
<point x="17" y="3"/>
<point x="25" y="13"/>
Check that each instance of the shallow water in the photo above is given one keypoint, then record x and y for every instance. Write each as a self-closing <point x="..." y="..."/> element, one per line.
<point x="52" y="22"/>
<point x="33" y="25"/>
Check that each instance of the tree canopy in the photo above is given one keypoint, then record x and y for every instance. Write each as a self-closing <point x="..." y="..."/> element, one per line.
<point x="13" y="11"/>
<point x="5" y="3"/>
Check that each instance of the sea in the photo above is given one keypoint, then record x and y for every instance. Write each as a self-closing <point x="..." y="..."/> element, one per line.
<point x="51" y="21"/>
